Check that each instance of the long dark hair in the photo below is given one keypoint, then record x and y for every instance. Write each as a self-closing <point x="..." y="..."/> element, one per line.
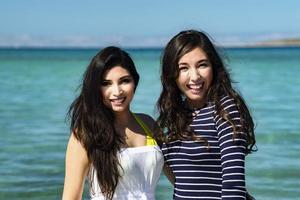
<point x="174" y="118"/>
<point x="92" y="123"/>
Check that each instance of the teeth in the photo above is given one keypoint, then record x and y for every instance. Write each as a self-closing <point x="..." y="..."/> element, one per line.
<point x="196" y="86"/>
<point x="119" y="100"/>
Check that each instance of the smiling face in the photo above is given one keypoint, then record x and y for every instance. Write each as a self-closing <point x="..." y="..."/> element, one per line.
<point x="117" y="89"/>
<point x="195" y="76"/>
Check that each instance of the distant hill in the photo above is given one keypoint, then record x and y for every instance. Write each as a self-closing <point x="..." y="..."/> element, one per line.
<point x="286" y="42"/>
<point x="279" y="42"/>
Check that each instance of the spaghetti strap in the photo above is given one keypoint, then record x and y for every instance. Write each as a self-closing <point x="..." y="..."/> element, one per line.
<point x="149" y="136"/>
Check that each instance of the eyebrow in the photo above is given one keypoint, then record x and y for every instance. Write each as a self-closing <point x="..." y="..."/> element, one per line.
<point x="200" y="61"/>
<point x="126" y="76"/>
<point x="123" y="77"/>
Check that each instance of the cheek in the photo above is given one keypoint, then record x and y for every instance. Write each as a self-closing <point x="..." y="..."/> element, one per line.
<point x="180" y="81"/>
<point x="104" y="93"/>
<point x="132" y="89"/>
<point x="208" y="74"/>
<point x="129" y="89"/>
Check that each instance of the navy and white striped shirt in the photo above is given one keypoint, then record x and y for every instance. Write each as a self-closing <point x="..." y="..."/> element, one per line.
<point x="216" y="172"/>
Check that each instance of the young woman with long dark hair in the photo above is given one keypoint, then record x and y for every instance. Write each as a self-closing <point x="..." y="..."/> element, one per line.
<point x="109" y="144"/>
<point x="205" y="127"/>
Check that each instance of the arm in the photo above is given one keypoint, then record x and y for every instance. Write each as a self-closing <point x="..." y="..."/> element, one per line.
<point x="76" y="168"/>
<point x="232" y="153"/>
<point x="169" y="174"/>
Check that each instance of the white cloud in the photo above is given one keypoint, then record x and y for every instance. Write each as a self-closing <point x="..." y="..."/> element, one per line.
<point x="80" y="41"/>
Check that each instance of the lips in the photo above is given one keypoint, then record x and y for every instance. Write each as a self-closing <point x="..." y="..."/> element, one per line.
<point x="196" y="88"/>
<point x="118" y="101"/>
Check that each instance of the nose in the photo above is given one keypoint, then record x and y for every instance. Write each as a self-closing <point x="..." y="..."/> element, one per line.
<point x="116" y="90"/>
<point x="194" y="74"/>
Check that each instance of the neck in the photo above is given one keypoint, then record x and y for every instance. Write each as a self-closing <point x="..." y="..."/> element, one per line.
<point x="122" y="118"/>
<point x="196" y="105"/>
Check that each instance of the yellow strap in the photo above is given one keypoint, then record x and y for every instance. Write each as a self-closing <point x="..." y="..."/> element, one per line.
<point x="149" y="136"/>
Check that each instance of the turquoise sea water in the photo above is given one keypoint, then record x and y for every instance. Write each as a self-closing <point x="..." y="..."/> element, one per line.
<point x="38" y="85"/>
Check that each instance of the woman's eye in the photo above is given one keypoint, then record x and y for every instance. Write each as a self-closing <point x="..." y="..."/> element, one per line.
<point x="183" y="68"/>
<point x="104" y="83"/>
<point x="126" y="80"/>
<point x="203" y="65"/>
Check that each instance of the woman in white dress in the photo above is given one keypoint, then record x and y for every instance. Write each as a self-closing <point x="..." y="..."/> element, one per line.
<point x="111" y="146"/>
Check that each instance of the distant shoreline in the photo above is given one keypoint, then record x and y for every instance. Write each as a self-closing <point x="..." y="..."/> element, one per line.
<point x="145" y="48"/>
<point x="280" y="43"/>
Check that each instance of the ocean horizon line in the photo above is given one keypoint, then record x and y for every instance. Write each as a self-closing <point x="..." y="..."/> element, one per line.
<point x="141" y="48"/>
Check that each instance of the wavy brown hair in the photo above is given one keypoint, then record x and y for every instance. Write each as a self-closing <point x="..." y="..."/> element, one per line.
<point x="174" y="117"/>
<point x="92" y="123"/>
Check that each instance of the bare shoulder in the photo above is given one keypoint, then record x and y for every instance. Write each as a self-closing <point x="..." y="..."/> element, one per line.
<point x="74" y="142"/>
<point x="147" y="119"/>
<point x="76" y="149"/>
<point x="76" y="169"/>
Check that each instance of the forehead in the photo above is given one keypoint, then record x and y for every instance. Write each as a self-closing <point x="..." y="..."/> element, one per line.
<point x="116" y="72"/>
<point x="195" y="55"/>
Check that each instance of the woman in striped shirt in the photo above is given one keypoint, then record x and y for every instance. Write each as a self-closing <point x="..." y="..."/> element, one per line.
<point x="205" y="128"/>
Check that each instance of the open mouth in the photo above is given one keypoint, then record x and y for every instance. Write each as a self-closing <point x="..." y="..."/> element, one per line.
<point x="118" y="101"/>
<point x="196" y="88"/>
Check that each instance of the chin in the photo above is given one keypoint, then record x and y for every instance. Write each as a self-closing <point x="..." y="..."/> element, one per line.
<point x="119" y="109"/>
<point x="196" y="97"/>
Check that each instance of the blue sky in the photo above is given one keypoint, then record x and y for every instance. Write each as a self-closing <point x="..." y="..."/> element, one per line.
<point x="143" y="23"/>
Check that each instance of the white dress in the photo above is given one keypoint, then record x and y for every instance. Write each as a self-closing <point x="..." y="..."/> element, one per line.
<point x="141" y="171"/>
